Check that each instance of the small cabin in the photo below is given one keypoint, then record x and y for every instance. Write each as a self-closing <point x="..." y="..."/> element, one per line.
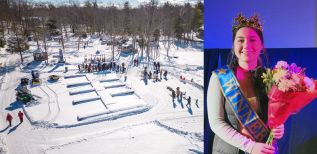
<point x="40" y="55"/>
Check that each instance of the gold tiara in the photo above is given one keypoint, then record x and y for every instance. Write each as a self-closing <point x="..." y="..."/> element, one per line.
<point x="241" y="21"/>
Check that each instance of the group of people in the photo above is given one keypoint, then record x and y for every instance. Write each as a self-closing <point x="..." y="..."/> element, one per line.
<point x="156" y="75"/>
<point x="102" y="66"/>
<point x="9" y="117"/>
<point x="95" y="60"/>
<point x="157" y="72"/>
<point x="180" y="96"/>
<point x="156" y="66"/>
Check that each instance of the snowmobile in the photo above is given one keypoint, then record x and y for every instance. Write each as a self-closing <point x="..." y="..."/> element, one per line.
<point x="35" y="77"/>
<point x="24" y="95"/>
<point x="54" y="77"/>
<point x="24" y="81"/>
<point x="36" y="81"/>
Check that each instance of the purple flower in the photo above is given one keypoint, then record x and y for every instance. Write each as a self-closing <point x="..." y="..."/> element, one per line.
<point x="293" y="68"/>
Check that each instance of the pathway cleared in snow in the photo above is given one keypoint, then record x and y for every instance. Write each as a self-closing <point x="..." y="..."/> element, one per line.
<point x="172" y="123"/>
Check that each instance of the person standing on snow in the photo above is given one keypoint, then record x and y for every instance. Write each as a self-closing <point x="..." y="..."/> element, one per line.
<point x="158" y="66"/>
<point x="173" y="95"/>
<point x="20" y="115"/>
<point x="154" y="64"/>
<point x="161" y="72"/>
<point x="188" y="102"/>
<point x="181" y="96"/>
<point x="177" y="93"/>
<point x="197" y="102"/>
<point x="150" y="75"/>
<point x="165" y="74"/>
<point x="9" y="119"/>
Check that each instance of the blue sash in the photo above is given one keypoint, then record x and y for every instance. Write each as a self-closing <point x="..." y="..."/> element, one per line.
<point x="241" y="107"/>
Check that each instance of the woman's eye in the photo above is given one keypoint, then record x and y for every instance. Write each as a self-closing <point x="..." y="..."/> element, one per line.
<point x="241" y="41"/>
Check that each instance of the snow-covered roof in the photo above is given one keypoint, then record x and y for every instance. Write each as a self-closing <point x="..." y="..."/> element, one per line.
<point x="38" y="50"/>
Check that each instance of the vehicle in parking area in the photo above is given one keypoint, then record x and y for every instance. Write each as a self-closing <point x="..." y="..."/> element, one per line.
<point x="23" y="94"/>
<point x="103" y="42"/>
<point x="115" y="42"/>
<point x="54" y="77"/>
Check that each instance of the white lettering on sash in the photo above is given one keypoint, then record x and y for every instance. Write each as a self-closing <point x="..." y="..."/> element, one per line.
<point x="229" y="85"/>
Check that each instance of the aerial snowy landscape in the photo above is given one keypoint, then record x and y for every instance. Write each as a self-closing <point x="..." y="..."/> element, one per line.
<point x="98" y="112"/>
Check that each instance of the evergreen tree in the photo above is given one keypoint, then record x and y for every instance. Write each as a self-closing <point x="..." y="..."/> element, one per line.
<point x="2" y="42"/>
<point x="179" y="29"/>
<point x="127" y="20"/>
<point x="17" y="44"/>
<point x="142" y="44"/>
<point x="88" y="4"/>
<point x="95" y="5"/>
<point x="198" y="20"/>
<point x="51" y="25"/>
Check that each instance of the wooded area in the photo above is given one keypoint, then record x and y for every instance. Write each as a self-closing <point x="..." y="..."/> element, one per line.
<point x="21" y="20"/>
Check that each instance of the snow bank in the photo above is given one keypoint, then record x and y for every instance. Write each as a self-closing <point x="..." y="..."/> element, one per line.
<point x="109" y="80"/>
<point x="119" y="111"/>
<point x="83" y="100"/>
<point x="112" y="116"/>
<point x="77" y="84"/>
<point x="114" y="94"/>
<point x="114" y="85"/>
<point x="73" y="76"/>
<point x="80" y="91"/>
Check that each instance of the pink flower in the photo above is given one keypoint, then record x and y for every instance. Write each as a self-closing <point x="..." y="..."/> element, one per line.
<point x="296" y="78"/>
<point x="289" y="78"/>
<point x="309" y="84"/>
<point x="282" y="64"/>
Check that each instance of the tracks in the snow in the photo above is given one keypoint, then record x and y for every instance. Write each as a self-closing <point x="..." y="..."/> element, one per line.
<point x="53" y="104"/>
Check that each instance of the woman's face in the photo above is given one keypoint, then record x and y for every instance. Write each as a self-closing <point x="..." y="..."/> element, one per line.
<point x="247" y="48"/>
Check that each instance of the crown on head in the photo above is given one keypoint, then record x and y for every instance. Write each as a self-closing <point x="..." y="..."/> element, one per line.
<point x="241" y="21"/>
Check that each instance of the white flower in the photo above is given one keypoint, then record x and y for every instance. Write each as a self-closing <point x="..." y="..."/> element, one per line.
<point x="282" y="64"/>
<point x="279" y="75"/>
<point x="286" y="85"/>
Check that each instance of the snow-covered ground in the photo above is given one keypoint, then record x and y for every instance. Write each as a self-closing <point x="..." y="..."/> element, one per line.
<point x="100" y="112"/>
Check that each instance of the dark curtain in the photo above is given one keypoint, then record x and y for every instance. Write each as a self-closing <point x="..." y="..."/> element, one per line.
<point x="300" y="129"/>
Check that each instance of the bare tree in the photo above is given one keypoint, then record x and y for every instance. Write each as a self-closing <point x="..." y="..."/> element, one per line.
<point x="168" y="22"/>
<point x="150" y="10"/>
<point x="147" y="24"/>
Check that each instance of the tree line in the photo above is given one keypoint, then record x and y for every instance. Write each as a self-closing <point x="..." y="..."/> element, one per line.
<point x="146" y="23"/>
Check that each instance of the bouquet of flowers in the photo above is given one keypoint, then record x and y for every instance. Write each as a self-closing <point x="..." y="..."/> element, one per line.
<point x="289" y="90"/>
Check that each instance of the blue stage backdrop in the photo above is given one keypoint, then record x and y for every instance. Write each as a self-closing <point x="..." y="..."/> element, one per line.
<point x="301" y="129"/>
<point x="286" y="23"/>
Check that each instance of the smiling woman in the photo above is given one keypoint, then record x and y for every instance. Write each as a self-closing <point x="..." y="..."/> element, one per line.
<point x="236" y="100"/>
<point x="247" y="48"/>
